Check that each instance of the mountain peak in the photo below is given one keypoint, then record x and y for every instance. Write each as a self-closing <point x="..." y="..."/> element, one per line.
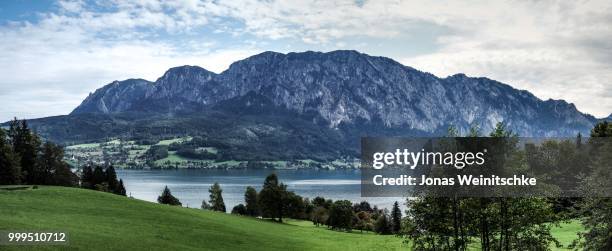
<point x="186" y="70"/>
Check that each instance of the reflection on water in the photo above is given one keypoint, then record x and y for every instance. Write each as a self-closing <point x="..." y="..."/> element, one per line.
<point x="191" y="185"/>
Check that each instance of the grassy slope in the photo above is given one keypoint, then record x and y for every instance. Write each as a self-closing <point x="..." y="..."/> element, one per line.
<point x="102" y="221"/>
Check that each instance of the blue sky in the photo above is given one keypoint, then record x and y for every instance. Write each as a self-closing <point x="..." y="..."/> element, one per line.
<point x="53" y="53"/>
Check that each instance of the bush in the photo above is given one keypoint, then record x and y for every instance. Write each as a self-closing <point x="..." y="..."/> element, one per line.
<point x="239" y="209"/>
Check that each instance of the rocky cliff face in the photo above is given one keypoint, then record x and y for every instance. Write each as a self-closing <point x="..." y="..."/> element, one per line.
<point x="345" y="88"/>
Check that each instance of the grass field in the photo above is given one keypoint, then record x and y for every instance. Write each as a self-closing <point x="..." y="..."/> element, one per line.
<point x="102" y="221"/>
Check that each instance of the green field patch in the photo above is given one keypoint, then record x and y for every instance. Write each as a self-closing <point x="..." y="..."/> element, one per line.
<point x="82" y="146"/>
<point x="212" y="150"/>
<point x="176" y="140"/>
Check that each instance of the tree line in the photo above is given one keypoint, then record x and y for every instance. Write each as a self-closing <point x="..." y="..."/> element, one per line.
<point x="461" y="223"/>
<point x="26" y="160"/>
<point x="503" y="223"/>
<point x="275" y="202"/>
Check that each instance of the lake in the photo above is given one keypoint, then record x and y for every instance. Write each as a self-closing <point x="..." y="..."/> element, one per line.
<point x="190" y="186"/>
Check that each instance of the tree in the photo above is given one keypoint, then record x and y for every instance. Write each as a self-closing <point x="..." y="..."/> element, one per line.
<point x="363" y="221"/>
<point x="167" y="198"/>
<point x="52" y="168"/>
<point x="293" y="205"/>
<point x="205" y="205"/>
<point x="382" y="225"/>
<point x="111" y="179"/>
<point x="87" y="177"/>
<point x="362" y="206"/>
<point x="341" y="215"/>
<point x="239" y="209"/>
<point x="10" y="171"/>
<point x="596" y="208"/>
<point x="602" y="129"/>
<point x="396" y="218"/>
<point x="26" y="145"/>
<point x="121" y="188"/>
<point x="270" y="199"/>
<point x="98" y="176"/>
<point x="320" y="202"/>
<point x="250" y="198"/>
<point x="319" y="216"/>
<point x="216" y="198"/>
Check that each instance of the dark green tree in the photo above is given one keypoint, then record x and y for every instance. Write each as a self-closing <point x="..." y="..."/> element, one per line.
<point x="167" y="198"/>
<point x="596" y="208"/>
<point x="98" y="176"/>
<point x="319" y="216"/>
<point x="270" y="199"/>
<point x="10" y="171"/>
<point x="216" y="198"/>
<point x="239" y="209"/>
<point x="250" y="198"/>
<point x="396" y="218"/>
<point x="205" y="205"/>
<point x="382" y="225"/>
<point x="320" y="202"/>
<point x="293" y="205"/>
<point x="52" y="168"/>
<point x="87" y="177"/>
<point x="121" y="188"/>
<point x="341" y="215"/>
<point x="26" y="145"/>
<point x="111" y="179"/>
<point x="362" y="206"/>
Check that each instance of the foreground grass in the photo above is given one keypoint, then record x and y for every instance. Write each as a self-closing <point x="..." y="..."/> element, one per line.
<point x="102" y="221"/>
<point x="566" y="233"/>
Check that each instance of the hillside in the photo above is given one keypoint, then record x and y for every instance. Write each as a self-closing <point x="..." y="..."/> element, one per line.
<point x="102" y="221"/>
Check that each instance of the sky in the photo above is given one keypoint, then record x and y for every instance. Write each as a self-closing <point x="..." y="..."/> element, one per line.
<point x="54" y="53"/>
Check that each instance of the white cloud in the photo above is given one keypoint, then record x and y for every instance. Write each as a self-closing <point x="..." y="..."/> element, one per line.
<point x="50" y="66"/>
<point x="555" y="49"/>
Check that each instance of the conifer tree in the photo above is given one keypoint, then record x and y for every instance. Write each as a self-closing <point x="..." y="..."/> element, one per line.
<point x="111" y="179"/>
<point x="250" y="198"/>
<point x="121" y="188"/>
<point x="26" y="145"/>
<point x="216" y="198"/>
<point x="10" y="171"/>
<point x="87" y="177"/>
<point x="396" y="218"/>
<point x="167" y="198"/>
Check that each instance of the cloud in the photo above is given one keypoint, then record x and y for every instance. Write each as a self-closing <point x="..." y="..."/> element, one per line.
<point x="50" y="66"/>
<point x="555" y="49"/>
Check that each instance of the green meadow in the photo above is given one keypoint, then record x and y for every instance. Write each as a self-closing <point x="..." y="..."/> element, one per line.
<point x="103" y="221"/>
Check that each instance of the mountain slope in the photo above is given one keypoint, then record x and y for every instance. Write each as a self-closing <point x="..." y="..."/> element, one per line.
<point x="346" y="88"/>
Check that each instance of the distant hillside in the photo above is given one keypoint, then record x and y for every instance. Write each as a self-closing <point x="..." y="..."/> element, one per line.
<point x="308" y="102"/>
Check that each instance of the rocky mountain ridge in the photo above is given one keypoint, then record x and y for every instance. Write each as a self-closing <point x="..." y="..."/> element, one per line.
<point x="344" y="88"/>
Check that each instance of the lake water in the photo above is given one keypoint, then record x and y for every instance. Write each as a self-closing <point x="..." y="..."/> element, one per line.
<point x="190" y="186"/>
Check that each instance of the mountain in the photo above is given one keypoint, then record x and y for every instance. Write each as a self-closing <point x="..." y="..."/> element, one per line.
<point x="346" y="87"/>
<point x="339" y="94"/>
